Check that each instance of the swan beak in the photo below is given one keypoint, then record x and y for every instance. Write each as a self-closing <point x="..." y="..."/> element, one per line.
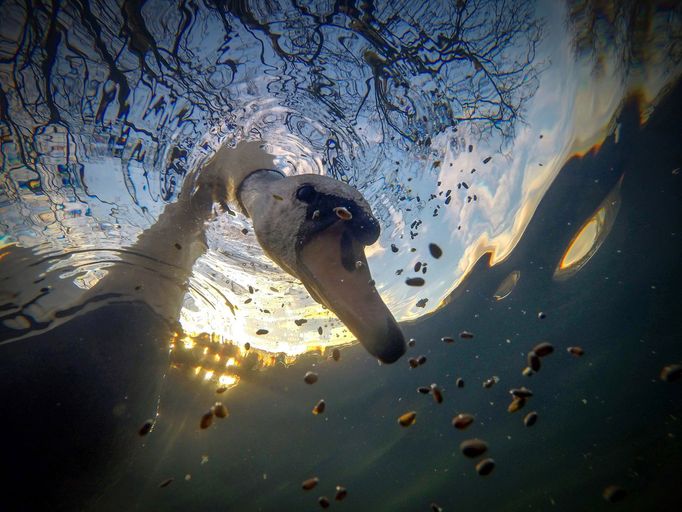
<point x="336" y="274"/>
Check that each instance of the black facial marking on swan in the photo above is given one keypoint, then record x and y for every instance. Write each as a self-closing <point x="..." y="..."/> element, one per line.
<point x="306" y="193"/>
<point x="348" y="259"/>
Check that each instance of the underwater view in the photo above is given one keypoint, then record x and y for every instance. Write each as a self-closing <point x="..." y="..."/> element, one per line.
<point x="385" y="256"/>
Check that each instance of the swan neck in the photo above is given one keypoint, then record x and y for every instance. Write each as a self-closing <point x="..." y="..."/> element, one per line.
<point x="254" y="193"/>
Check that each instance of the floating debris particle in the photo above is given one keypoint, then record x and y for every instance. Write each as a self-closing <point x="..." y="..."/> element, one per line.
<point x="533" y="361"/>
<point x="146" y="428"/>
<point x="221" y="389"/>
<point x="319" y="331"/>
<point x="473" y="447"/>
<point x="412" y="342"/>
<point x="466" y="335"/>
<point x="485" y="467"/>
<point x="436" y="251"/>
<point x="527" y="371"/>
<point x="530" y="419"/>
<point x="421" y="360"/>
<point x="315" y="215"/>
<point x="260" y="332"/>
<point x="343" y="213"/>
<point x="245" y="231"/>
<point x="487" y="159"/>
<point x="310" y="483"/>
<point x="614" y="493"/>
<point x="516" y="404"/>
<point x="447" y="339"/>
<point x="522" y="392"/>
<point x="206" y="420"/>
<point x="394" y="248"/>
<point x="247" y="346"/>
<point x="178" y="246"/>
<point x="319" y="407"/>
<point x="277" y="197"/>
<point x="220" y="410"/>
<point x="323" y="501"/>
<point x="671" y="373"/>
<point x="460" y="382"/>
<point x="166" y="482"/>
<point x="412" y="361"/>
<point x="437" y="393"/>
<point x="543" y="349"/>
<point x="462" y="421"/>
<point x="436" y="508"/>
<point x="407" y="419"/>
<point x="424" y="390"/>
<point x="576" y="351"/>
<point x="188" y="477"/>
<point x="489" y="383"/>
<point x="341" y="493"/>
<point x="336" y="354"/>
<point x="542" y="315"/>
<point x="300" y="322"/>
<point x="310" y="377"/>
<point x="422" y="303"/>
<point x="359" y="264"/>
<point x="414" y="281"/>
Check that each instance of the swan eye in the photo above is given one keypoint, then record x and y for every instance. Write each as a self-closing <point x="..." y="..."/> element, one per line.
<point x="306" y="193"/>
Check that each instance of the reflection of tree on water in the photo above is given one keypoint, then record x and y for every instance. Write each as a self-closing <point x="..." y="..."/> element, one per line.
<point x="458" y="51"/>
<point x="638" y="30"/>
<point x="417" y="69"/>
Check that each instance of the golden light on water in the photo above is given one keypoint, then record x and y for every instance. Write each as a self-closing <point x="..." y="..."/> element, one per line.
<point x="588" y="239"/>
<point x="583" y="242"/>
<point x="227" y="380"/>
<point x="213" y="360"/>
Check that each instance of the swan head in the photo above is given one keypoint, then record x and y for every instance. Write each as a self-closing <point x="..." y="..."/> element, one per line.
<point x="316" y="228"/>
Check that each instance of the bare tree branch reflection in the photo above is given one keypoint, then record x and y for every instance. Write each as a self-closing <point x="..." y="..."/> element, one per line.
<point x="628" y="27"/>
<point x="151" y="77"/>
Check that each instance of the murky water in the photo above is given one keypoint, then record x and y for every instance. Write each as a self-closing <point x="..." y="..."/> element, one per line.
<point x="536" y="145"/>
